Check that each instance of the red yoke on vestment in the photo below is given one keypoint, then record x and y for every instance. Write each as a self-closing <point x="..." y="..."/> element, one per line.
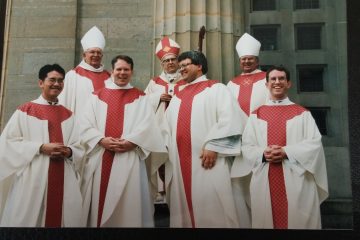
<point x="246" y="82"/>
<point x="97" y="78"/>
<point x="55" y="115"/>
<point x="161" y="82"/>
<point x="276" y="118"/>
<point x="116" y="99"/>
<point x="183" y="135"/>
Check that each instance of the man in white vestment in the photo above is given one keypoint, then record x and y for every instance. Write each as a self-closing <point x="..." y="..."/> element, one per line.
<point x="283" y="154"/>
<point x="249" y="87"/>
<point x="203" y="128"/>
<point x="250" y="91"/>
<point x="88" y="76"/>
<point x="119" y="131"/>
<point x="39" y="157"/>
<point x="160" y="90"/>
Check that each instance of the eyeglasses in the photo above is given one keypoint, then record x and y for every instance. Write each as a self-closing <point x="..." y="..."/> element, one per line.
<point x="56" y="80"/>
<point x="170" y="60"/>
<point x="280" y="79"/>
<point x="182" y="66"/>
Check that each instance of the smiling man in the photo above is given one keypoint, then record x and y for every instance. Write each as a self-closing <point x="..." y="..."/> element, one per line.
<point x="88" y="76"/>
<point x="250" y="91"/>
<point x="249" y="87"/>
<point x="118" y="130"/>
<point x="40" y="154"/>
<point x="283" y="155"/>
<point x="203" y="128"/>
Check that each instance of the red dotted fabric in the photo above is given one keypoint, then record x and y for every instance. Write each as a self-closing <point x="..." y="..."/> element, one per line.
<point x="276" y="117"/>
<point x="246" y="83"/>
<point x="183" y="135"/>
<point x="116" y="100"/>
<point x="55" y="192"/>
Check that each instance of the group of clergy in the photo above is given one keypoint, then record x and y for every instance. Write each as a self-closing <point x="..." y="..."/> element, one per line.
<point x="95" y="151"/>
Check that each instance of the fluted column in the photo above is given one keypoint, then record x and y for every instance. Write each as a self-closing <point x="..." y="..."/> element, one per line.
<point x="223" y="19"/>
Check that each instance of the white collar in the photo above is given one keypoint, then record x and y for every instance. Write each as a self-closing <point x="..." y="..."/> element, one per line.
<point x="253" y="72"/>
<point x="170" y="77"/>
<point x="86" y="66"/>
<point x="43" y="101"/>
<point x="112" y="85"/>
<point x="199" y="79"/>
<point x="285" y="101"/>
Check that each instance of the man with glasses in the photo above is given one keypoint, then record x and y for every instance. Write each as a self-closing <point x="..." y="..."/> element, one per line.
<point x="39" y="157"/>
<point x="88" y="76"/>
<point x="203" y="127"/>
<point x="283" y="155"/>
<point x="160" y="90"/>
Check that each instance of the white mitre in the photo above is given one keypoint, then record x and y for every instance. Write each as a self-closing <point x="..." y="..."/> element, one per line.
<point x="247" y="45"/>
<point x="93" y="38"/>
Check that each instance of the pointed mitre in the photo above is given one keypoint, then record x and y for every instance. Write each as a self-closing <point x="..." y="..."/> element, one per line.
<point x="93" y="38"/>
<point x="248" y="45"/>
<point x="166" y="46"/>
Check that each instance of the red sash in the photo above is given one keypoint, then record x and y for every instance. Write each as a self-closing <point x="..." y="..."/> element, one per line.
<point x="183" y="136"/>
<point x="246" y="83"/>
<point x="55" y="115"/>
<point x="116" y="100"/>
<point x="276" y="118"/>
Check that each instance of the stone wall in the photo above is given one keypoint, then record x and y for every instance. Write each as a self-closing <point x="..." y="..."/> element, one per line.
<point x="49" y="31"/>
<point x="38" y="34"/>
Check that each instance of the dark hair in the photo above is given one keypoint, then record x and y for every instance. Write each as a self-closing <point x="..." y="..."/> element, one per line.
<point x="43" y="72"/>
<point x="124" y="58"/>
<point x="196" y="57"/>
<point x="280" y="68"/>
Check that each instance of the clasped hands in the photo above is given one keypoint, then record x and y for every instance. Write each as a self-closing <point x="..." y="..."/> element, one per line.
<point x="117" y="144"/>
<point x="274" y="154"/>
<point x="56" y="150"/>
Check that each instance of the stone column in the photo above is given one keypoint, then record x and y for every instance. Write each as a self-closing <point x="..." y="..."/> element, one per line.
<point x="223" y="19"/>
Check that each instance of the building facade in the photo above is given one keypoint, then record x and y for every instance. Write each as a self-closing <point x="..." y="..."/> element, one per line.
<point x="307" y="36"/>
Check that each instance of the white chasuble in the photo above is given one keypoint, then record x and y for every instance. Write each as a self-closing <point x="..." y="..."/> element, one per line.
<point x="289" y="194"/>
<point x="156" y="87"/>
<point x="79" y="83"/>
<point x="250" y="91"/>
<point x="201" y="116"/>
<point x="115" y="185"/>
<point x="42" y="192"/>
